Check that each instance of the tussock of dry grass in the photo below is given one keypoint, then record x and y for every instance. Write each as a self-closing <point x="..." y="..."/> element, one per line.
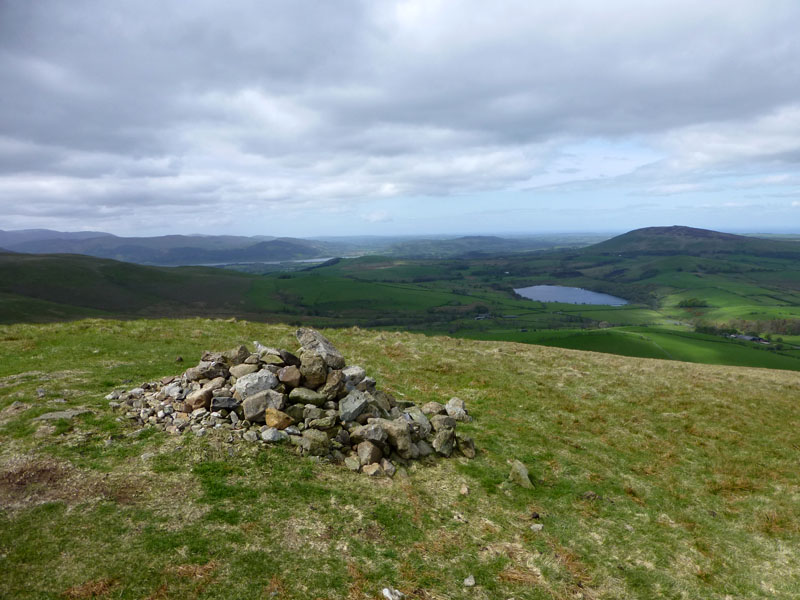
<point x="98" y="588"/>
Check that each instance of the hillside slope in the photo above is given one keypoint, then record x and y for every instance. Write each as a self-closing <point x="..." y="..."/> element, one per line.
<point x="652" y="478"/>
<point x="75" y="285"/>
<point x="691" y="241"/>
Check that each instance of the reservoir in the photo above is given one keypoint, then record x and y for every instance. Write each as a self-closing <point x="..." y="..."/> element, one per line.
<point x="568" y="295"/>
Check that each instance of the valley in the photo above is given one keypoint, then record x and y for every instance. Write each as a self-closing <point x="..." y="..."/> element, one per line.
<point x="686" y="288"/>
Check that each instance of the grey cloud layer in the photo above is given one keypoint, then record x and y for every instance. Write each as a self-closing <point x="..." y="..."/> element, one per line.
<point x="115" y="106"/>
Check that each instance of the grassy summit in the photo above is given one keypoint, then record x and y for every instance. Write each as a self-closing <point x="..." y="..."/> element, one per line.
<point x="652" y="478"/>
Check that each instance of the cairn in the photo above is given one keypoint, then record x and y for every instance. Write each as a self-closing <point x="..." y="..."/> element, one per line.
<point x="310" y="399"/>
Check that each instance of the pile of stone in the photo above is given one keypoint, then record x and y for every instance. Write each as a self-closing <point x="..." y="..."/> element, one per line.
<point x="310" y="399"/>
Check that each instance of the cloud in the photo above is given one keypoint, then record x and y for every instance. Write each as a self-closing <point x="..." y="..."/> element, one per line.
<point x="306" y="107"/>
<point x="379" y="216"/>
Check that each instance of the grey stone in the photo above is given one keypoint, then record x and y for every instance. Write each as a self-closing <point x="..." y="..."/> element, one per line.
<point x="352" y="463"/>
<point x="398" y="434"/>
<point x="388" y="467"/>
<point x="537" y="527"/>
<point x="444" y="442"/>
<point x="371" y="432"/>
<point x="250" y="436"/>
<point x="62" y="414"/>
<point x="289" y="359"/>
<point x="334" y="387"/>
<point x="469" y="581"/>
<point x="389" y="593"/>
<point x="456" y="409"/>
<point x="274" y="436"/>
<point x="383" y="400"/>
<point x="215" y="384"/>
<point x="440" y="422"/>
<point x="236" y="356"/>
<point x="366" y="385"/>
<point x="312" y="412"/>
<point x="313" y="369"/>
<point x="417" y="416"/>
<point x="301" y="395"/>
<point x="353" y="405"/>
<point x="373" y="470"/>
<point x="254" y="407"/>
<point x="255" y="382"/>
<point x="314" y="442"/>
<point x="425" y="449"/>
<point x="324" y="423"/>
<point x="276" y="400"/>
<point x="209" y="356"/>
<point x="466" y="445"/>
<point x="290" y="375"/>
<point x="342" y="437"/>
<point x="173" y="390"/>
<point x="206" y="370"/>
<point x="353" y="375"/>
<point x="223" y="403"/>
<point x="311" y="339"/>
<point x="368" y="453"/>
<point x="296" y="411"/>
<point x="243" y="369"/>
<point x="519" y="475"/>
<point x="433" y="408"/>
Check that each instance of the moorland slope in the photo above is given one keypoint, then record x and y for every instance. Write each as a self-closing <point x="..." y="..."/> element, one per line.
<point x="651" y="478"/>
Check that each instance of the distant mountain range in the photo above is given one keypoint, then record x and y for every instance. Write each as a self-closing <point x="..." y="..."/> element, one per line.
<point x="177" y="250"/>
<point x="675" y="277"/>
<point x="167" y="250"/>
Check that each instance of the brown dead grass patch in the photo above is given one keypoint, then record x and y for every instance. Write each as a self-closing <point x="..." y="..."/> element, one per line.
<point x="95" y="588"/>
<point x="775" y="522"/>
<point x="358" y="581"/>
<point x="577" y="570"/>
<point x="195" y="571"/>
<point x="275" y="588"/>
<point x="28" y="481"/>
<point x="520" y="576"/>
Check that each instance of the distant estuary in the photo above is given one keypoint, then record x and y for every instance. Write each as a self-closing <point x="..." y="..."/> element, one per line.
<point x="568" y="295"/>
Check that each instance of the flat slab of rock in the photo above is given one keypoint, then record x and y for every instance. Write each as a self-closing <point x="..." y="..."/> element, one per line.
<point x="353" y="405"/>
<point x="311" y="339"/>
<point x="255" y="382"/>
<point x="62" y="414"/>
<point x="303" y="395"/>
<point x="243" y="369"/>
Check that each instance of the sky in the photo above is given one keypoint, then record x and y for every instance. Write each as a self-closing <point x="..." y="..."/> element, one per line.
<point x="348" y="117"/>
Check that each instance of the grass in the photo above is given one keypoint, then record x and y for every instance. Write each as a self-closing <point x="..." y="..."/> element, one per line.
<point x="652" y="478"/>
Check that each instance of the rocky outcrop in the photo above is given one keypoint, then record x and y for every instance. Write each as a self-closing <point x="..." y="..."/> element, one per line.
<point x="310" y="400"/>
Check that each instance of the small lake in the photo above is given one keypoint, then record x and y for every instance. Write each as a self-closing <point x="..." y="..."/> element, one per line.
<point x="568" y="295"/>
